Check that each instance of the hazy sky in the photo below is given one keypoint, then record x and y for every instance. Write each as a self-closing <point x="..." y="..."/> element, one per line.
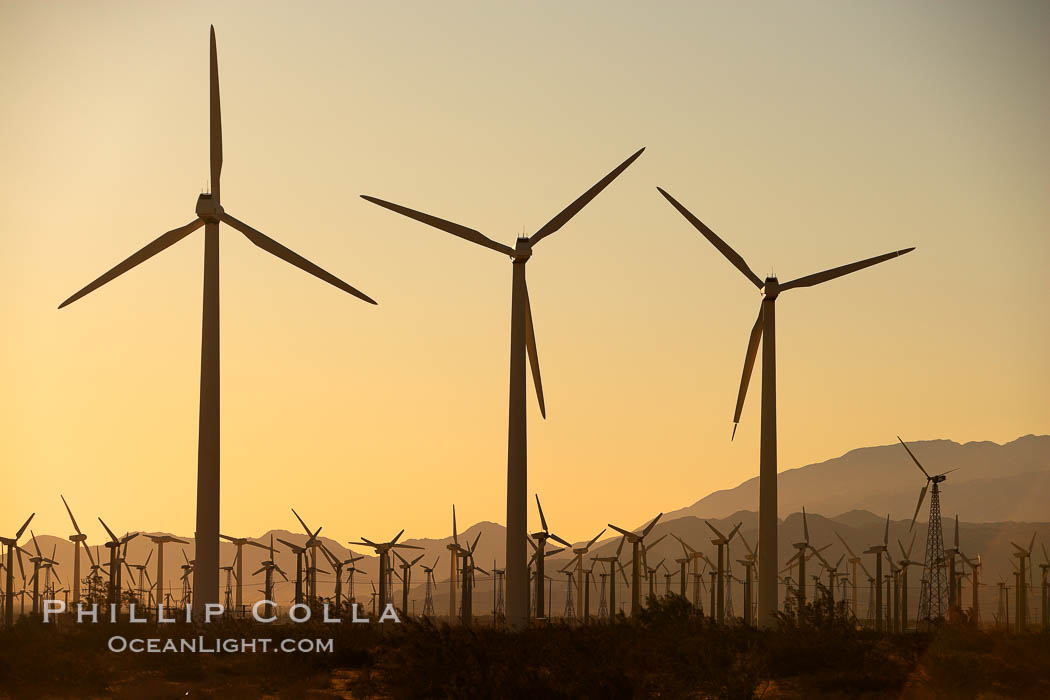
<point x="808" y="134"/>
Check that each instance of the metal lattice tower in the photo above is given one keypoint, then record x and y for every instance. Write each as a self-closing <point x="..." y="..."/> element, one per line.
<point x="570" y="609"/>
<point x="498" y="610"/>
<point x="603" y="606"/>
<point x="428" y="598"/>
<point x="871" y="602"/>
<point x="933" y="597"/>
<point x="730" y="613"/>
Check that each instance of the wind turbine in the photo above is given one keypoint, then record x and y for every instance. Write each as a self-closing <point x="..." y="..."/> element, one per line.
<point x="298" y="551"/>
<point x="239" y="542"/>
<point x="406" y="578"/>
<point x="453" y="551"/>
<point x="522" y="342"/>
<point x="854" y="560"/>
<point x="581" y="579"/>
<point x="541" y="538"/>
<point x="933" y="596"/>
<point x="1045" y="597"/>
<point x="950" y="554"/>
<point x="1024" y="557"/>
<point x="904" y="563"/>
<point x="614" y="563"/>
<point x="160" y="541"/>
<point x="466" y="608"/>
<point x="721" y="541"/>
<point x="142" y="591"/>
<point x="268" y="567"/>
<point x="312" y="543"/>
<point x="78" y="540"/>
<point x="879" y="550"/>
<point x="428" y="599"/>
<point x="383" y="550"/>
<point x="9" y="588"/>
<point x="636" y="543"/>
<point x="114" y="545"/>
<point x="765" y="327"/>
<point x="209" y="213"/>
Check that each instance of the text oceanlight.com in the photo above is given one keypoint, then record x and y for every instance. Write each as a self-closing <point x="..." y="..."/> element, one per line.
<point x="200" y="645"/>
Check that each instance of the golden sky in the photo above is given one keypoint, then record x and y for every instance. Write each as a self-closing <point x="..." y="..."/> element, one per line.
<point x="807" y="134"/>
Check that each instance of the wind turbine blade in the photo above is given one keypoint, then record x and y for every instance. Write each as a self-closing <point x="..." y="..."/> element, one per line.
<point x="956" y="530"/>
<point x="733" y="532"/>
<point x="148" y="557"/>
<point x="416" y="560"/>
<point x="301" y="522"/>
<point x="910" y="454"/>
<point x="543" y="520"/>
<point x="589" y="544"/>
<point x="573" y="209"/>
<point x="447" y="226"/>
<point x="723" y="247"/>
<point x="624" y="539"/>
<point x="148" y="251"/>
<point x="864" y="569"/>
<point x="749" y="364"/>
<point x="88" y="550"/>
<point x="835" y="272"/>
<point x="273" y="247"/>
<point x="559" y="540"/>
<point x="1030" y="544"/>
<point x="75" y="526"/>
<point x="846" y="546"/>
<point x="530" y="347"/>
<point x="805" y="526"/>
<point x="22" y="529"/>
<point x="37" y="547"/>
<point x="650" y="526"/>
<point x="621" y="531"/>
<point x="396" y="537"/>
<point x="112" y="537"/>
<point x="922" y="495"/>
<point x="216" y="121"/>
<point x="886" y="534"/>
<point x="715" y="530"/>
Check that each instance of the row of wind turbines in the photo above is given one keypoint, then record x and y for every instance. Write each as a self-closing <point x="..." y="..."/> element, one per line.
<point x="210" y="213"/>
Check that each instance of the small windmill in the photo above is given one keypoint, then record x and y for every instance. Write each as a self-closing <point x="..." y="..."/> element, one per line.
<point x="428" y="599"/>
<point x="299" y="552"/>
<point x="879" y="550"/>
<point x="114" y="545"/>
<point x="610" y="576"/>
<point x="239" y="543"/>
<point x="187" y="585"/>
<point x="406" y="578"/>
<point x="160" y="541"/>
<point x="1024" y="558"/>
<point x="541" y="538"/>
<point x="904" y="563"/>
<point x="579" y="553"/>
<point x="637" y="542"/>
<point x="721" y="541"/>
<point x="143" y="594"/>
<point x="933" y="596"/>
<point x="468" y="567"/>
<point x="267" y="568"/>
<point x="79" y="540"/>
<point x="383" y="550"/>
<point x="312" y="545"/>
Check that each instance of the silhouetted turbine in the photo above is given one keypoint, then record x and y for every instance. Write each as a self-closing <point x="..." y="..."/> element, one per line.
<point x="209" y="214"/>
<point x="522" y="342"/>
<point x="765" y="326"/>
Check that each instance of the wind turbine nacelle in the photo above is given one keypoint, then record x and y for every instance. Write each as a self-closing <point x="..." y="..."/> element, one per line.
<point x="771" y="289"/>
<point x="208" y="209"/>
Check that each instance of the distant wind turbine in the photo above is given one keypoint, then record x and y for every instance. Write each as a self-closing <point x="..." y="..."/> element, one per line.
<point x="209" y="214"/>
<point x="522" y="342"/>
<point x="765" y="330"/>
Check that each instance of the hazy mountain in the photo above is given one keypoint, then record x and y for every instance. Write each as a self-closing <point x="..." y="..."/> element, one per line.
<point x="994" y="483"/>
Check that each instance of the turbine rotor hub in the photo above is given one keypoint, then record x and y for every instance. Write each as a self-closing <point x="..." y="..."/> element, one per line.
<point x="522" y="250"/>
<point x="771" y="289"/>
<point x="208" y="208"/>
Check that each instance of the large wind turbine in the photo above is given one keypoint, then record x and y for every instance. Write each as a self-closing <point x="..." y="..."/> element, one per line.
<point x="765" y="327"/>
<point x="522" y="342"/>
<point x="209" y="214"/>
<point x="9" y="584"/>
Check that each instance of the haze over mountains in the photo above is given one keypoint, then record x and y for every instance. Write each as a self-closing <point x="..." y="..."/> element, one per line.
<point x="993" y="483"/>
<point x="1000" y="493"/>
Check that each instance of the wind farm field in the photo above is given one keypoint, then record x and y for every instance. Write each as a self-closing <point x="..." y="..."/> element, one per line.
<point x="668" y="652"/>
<point x="290" y="437"/>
